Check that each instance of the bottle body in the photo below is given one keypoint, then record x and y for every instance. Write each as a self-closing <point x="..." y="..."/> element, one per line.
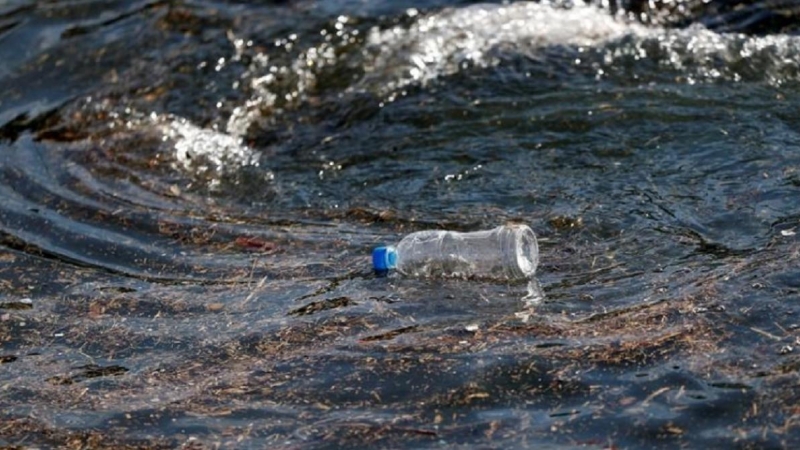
<point x="508" y="252"/>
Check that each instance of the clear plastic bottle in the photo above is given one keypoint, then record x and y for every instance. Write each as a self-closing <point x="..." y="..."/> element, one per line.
<point x="508" y="252"/>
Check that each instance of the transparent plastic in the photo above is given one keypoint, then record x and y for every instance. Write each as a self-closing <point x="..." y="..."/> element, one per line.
<point x="508" y="252"/>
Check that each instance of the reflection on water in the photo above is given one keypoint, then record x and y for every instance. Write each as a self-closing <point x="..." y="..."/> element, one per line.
<point x="190" y="192"/>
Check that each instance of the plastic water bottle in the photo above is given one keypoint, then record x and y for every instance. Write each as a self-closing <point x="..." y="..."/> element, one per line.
<point x="508" y="252"/>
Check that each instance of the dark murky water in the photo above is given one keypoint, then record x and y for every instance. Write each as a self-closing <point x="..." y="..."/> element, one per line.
<point x="189" y="191"/>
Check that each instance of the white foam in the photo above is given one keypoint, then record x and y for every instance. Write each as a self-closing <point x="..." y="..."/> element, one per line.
<point x="703" y="55"/>
<point x="205" y="151"/>
<point x="276" y="86"/>
<point x="441" y="44"/>
<point x="446" y="42"/>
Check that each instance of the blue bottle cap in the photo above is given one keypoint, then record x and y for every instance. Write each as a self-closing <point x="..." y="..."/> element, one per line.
<point x="384" y="258"/>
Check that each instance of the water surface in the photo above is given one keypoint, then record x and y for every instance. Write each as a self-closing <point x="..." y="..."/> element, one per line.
<point x="189" y="192"/>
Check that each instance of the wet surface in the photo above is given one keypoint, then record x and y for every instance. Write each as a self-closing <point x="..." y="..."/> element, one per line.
<point x="189" y="192"/>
